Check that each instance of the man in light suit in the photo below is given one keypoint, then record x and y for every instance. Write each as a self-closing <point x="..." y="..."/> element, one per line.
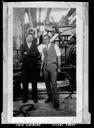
<point x="51" y="64"/>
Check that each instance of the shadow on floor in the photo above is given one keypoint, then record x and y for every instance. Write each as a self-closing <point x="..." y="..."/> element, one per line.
<point x="67" y="107"/>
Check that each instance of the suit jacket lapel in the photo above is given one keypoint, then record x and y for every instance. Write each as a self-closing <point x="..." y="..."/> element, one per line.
<point x="27" y="48"/>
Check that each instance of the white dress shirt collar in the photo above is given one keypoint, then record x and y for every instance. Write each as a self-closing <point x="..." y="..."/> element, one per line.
<point x="29" y="45"/>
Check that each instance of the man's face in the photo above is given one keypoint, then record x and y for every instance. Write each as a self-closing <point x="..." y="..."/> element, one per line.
<point x="29" y="38"/>
<point x="46" y="40"/>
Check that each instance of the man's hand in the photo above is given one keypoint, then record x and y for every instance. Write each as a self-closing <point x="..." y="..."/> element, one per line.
<point x="58" y="70"/>
<point x="25" y="53"/>
<point x="41" y="74"/>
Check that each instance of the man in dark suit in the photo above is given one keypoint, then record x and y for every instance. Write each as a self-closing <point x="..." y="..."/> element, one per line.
<point x="30" y="57"/>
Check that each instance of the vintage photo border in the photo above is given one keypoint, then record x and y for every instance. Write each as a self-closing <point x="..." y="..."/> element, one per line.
<point x="82" y="114"/>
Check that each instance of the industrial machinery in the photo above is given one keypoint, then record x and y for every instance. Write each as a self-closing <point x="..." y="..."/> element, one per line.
<point x="67" y="43"/>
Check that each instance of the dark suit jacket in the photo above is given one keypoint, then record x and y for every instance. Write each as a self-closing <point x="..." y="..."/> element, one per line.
<point x="29" y="55"/>
<point x="30" y="59"/>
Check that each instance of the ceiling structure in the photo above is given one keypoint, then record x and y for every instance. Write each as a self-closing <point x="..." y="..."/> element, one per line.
<point x="38" y="17"/>
<point x="24" y="18"/>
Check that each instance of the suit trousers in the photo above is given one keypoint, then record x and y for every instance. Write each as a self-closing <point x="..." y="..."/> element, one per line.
<point x="50" y="77"/>
<point x="30" y="76"/>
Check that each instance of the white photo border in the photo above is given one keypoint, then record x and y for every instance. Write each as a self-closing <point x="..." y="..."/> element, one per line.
<point x="82" y="115"/>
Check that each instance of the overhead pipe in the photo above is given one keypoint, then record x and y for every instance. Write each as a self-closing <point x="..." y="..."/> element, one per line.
<point x="39" y="16"/>
<point x="71" y="11"/>
<point x="47" y="14"/>
<point x="30" y="18"/>
<point x="72" y="21"/>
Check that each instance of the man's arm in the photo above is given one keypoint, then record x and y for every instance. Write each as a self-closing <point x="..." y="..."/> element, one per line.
<point x="58" y="53"/>
<point x="22" y="52"/>
<point x="59" y="61"/>
<point x="40" y="48"/>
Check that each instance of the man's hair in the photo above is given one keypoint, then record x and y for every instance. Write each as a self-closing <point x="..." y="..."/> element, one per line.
<point x="46" y="35"/>
<point x="30" y="30"/>
<point x="29" y="34"/>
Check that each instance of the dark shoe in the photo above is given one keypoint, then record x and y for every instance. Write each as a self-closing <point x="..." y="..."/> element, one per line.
<point x="35" y="101"/>
<point x="48" y="100"/>
<point x="56" y="105"/>
<point x="32" y="107"/>
<point x="25" y="100"/>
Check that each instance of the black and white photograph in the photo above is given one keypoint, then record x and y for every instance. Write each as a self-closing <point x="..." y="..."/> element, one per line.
<point x="44" y="54"/>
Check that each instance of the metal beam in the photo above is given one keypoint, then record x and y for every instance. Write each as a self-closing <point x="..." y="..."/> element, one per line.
<point x="47" y="14"/>
<point x="30" y="18"/>
<point x="73" y="20"/>
<point x="39" y="16"/>
<point x="63" y="20"/>
<point x="66" y="26"/>
<point x="71" y="11"/>
<point x="42" y="23"/>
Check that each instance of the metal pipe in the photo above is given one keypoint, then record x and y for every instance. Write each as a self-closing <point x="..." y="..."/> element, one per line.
<point x="71" y="11"/>
<point x="65" y="26"/>
<point x="39" y="93"/>
<point x="73" y="21"/>
<point x="30" y="18"/>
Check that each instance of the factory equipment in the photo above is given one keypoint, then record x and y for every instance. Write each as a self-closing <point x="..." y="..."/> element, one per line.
<point x="67" y="44"/>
